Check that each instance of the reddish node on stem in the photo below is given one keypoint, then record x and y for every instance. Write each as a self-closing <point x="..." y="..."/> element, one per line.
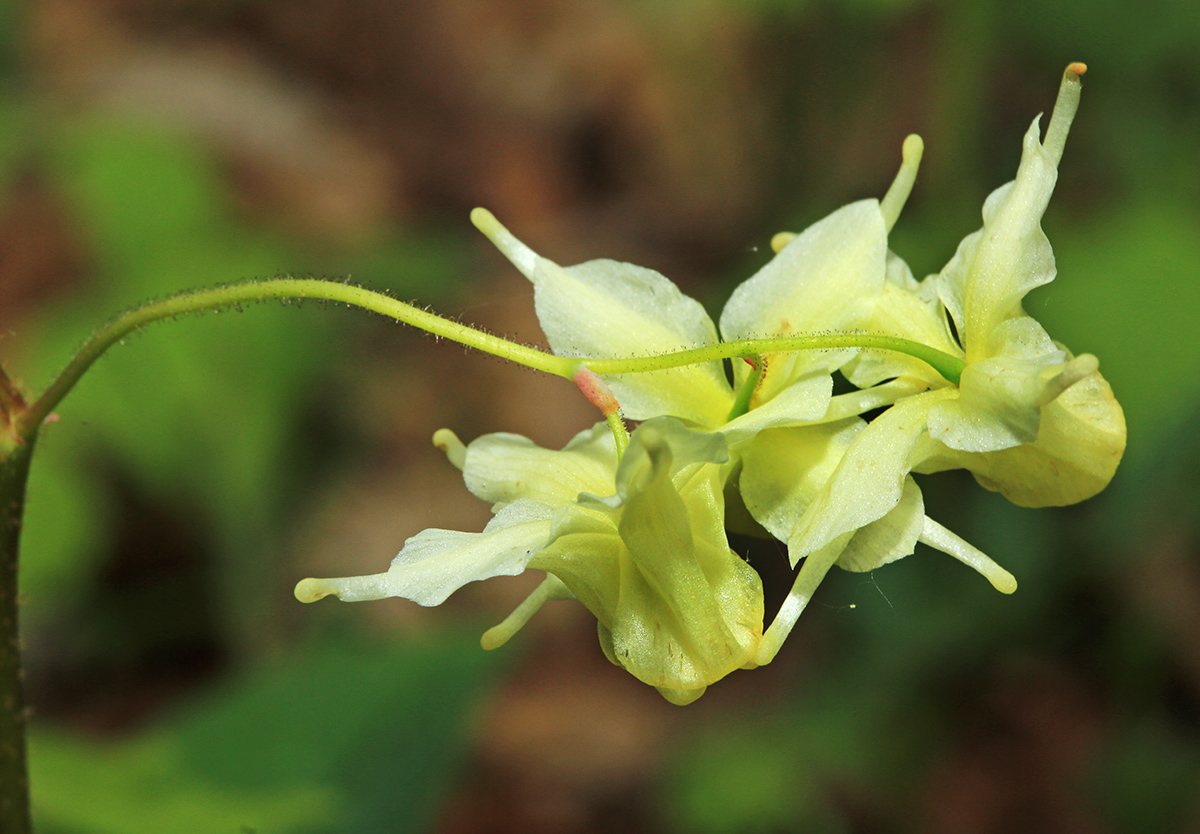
<point x="596" y="391"/>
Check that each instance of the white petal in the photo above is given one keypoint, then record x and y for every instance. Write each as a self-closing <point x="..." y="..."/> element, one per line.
<point x="665" y="445"/>
<point x="828" y="278"/>
<point x="996" y="266"/>
<point x="889" y="538"/>
<point x="869" y="480"/>
<point x="506" y="467"/>
<point x="853" y="403"/>
<point x="436" y="563"/>
<point x="804" y="401"/>
<point x="1080" y="441"/>
<point x="783" y="470"/>
<point x="605" y="309"/>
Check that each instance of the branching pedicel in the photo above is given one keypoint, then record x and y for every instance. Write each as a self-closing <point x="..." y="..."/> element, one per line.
<point x="634" y="526"/>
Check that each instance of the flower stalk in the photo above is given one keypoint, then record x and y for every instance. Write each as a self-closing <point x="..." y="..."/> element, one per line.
<point x="27" y="421"/>
<point x="14" y="775"/>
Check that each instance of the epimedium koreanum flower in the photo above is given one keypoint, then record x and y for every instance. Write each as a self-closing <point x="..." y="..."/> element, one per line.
<point x="640" y="539"/>
<point x="1027" y="418"/>
<point x="640" y="542"/>
<point x="786" y="431"/>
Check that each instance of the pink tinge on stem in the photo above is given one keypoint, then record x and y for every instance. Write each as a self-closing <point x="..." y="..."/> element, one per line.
<point x="596" y="391"/>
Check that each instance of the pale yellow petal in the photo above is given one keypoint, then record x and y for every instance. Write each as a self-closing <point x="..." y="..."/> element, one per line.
<point x="827" y="278"/>
<point x="889" y="538"/>
<point x="1080" y="442"/>
<point x="869" y="480"/>
<point x="436" y="563"/>
<point x="506" y="467"/>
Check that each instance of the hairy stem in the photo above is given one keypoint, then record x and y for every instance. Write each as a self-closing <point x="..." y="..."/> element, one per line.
<point x="280" y="288"/>
<point x="27" y="423"/>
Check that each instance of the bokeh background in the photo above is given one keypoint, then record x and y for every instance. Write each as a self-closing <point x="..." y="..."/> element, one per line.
<point x="201" y="469"/>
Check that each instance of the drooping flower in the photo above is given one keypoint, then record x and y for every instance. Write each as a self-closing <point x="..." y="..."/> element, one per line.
<point x="640" y="538"/>
<point x="828" y="278"/>
<point x="641" y="543"/>
<point x="1027" y="418"/>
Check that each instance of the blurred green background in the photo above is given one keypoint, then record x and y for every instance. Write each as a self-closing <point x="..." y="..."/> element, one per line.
<point x="204" y="467"/>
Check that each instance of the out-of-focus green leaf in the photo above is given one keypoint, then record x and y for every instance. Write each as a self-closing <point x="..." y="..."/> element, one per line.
<point x="773" y="773"/>
<point x="343" y="739"/>
<point x="386" y="727"/>
<point x="90" y="788"/>
<point x="1145" y="774"/>
<point x="71" y="529"/>
<point x="201" y="412"/>
<point x="1128" y="290"/>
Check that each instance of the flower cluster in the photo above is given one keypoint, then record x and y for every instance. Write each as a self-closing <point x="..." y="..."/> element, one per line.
<point x="635" y="526"/>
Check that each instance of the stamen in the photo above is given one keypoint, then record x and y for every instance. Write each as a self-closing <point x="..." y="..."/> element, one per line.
<point x="1083" y="365"/>
<point x="939" y="538"/>
<point x="892" y="202"/>
<point x="522" y="257"/>
<point x="448" y="442"/>
<point x="1064" y="111"/>
<point x="781" y="240"/>
<point x="497" y="636"/>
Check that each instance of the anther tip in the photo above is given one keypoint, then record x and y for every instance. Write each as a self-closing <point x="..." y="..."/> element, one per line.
<point x="1076" y="68"/>
<point x="495" y="637"/>
<point x="311" y="590"/>
<point x="781" y="240"/>
<point x="1002" y="580"/>
<point x="913" y="146"/>
<point x="484" y="220"/>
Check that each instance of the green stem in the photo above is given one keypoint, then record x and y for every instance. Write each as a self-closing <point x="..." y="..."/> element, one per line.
<point x="616" y="423"/>
<point x="11" y="400"/>
<point x="949" y="367"/>
<point x="741" y="403"/>
<point x="14" y="776"/>
<point x="27" y="423"/>
<point x="280" y="288"/>
<point x="12" y="404"/>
